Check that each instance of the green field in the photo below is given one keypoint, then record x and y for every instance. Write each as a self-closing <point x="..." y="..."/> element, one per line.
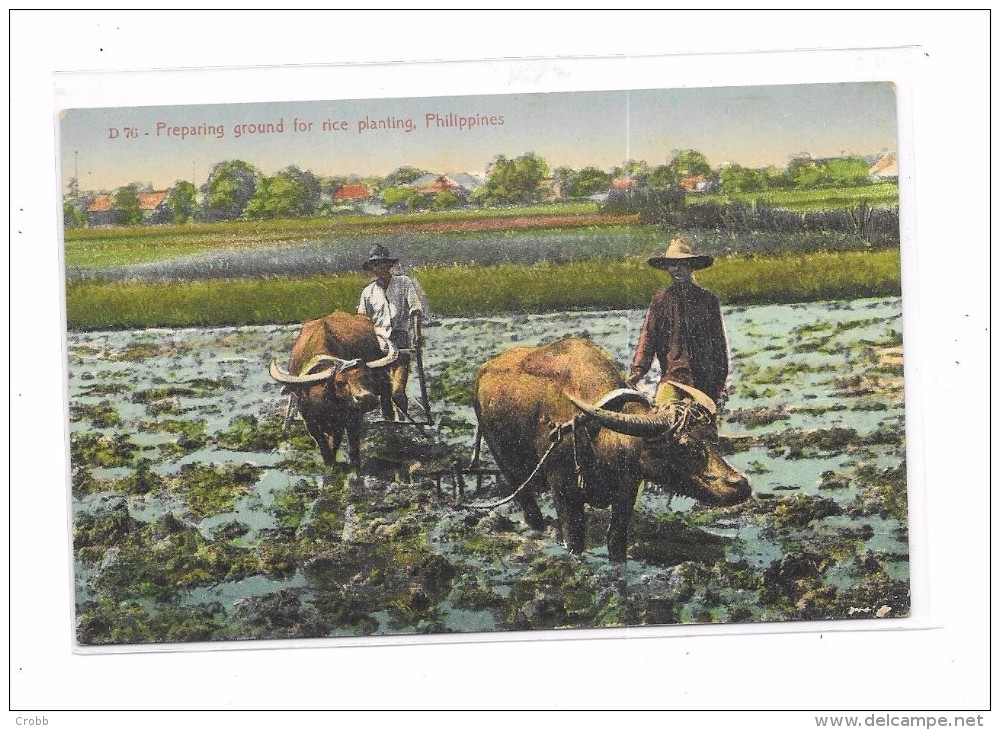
<point x="471" y="263"/>
<point x="469" y="291"/>
<point x="118" y="246"/>
<point x="885" y="194"/>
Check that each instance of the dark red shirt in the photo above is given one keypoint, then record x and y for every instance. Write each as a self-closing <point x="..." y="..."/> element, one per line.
<point x="685" y="332"/>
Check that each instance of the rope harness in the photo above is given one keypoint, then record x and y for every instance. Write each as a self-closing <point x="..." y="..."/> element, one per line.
<point x="555" y="436"/>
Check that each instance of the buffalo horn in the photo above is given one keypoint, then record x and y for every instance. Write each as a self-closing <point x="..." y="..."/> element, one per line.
<point x="698" y="396"/>
<point x="630" y="424"/>
<point x="283" y="377"/>
<point x="389" y="358"/>
<point x="615" y="399"/>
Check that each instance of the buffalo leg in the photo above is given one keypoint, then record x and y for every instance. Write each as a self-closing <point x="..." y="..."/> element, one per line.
<point x="353" y="428"/>
<point x="569" y="503"/>
<point x="323" y="442"/>
<point x="509" y="455"/>
<point x="621" y="516"/>
<point x="335" y="436"/>
<point x="529" y="506"/>
<point x="526" y="499"/>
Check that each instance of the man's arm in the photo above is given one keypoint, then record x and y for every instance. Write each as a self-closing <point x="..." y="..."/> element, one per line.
<point x="644" y="350"/>
<point x="720" y="353"/>
<point x="363" y="302"/>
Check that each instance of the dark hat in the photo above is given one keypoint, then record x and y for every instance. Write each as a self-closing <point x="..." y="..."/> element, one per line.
<point x="377" y="255"/>
<point x="680" y="252"/>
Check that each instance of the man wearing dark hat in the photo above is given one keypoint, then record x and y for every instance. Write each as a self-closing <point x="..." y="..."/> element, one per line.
<point x="684" y="328"/>
<point x="392" y="301"/>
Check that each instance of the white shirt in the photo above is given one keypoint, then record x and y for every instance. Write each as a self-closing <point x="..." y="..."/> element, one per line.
<point x="390" y="309"/>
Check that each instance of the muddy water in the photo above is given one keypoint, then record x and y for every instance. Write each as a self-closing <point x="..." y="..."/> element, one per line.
<point x="198" y="517"/>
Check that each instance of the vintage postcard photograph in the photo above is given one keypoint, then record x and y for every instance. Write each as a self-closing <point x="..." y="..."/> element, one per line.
<point x="485" y="365"/>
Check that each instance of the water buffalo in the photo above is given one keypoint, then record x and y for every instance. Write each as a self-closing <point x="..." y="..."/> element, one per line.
<point x="333" y="375"/>
<point x="619" y="439"/>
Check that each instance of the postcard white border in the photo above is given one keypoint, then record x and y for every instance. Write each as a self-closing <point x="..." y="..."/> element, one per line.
<point x="644" y="70"/>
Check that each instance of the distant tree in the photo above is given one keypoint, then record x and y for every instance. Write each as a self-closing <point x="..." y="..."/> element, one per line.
<point x="400" y="197"/>
<point x="845" y="171"/>
<point x="738" y="179"/>
<point x="402" y="176"/>
<point x="514" y="181"/>
<point x="661" y="177"/>
<point x="445" y="200"/>
<point x="776" y="178"/>
<point x="588" y="181"/>
<point x="637" y="169"/>
<point x="562" y="178"/>
<point x="689" y="162"/>
<point x="309" y="184"/>
<point x="73" y="215"/>
<point x="291" y="193"/>
<point x="804" y="172"/>
<point x="229" y="188"/>
<point x="182" y="201"/>
<point x="127" y="209"/>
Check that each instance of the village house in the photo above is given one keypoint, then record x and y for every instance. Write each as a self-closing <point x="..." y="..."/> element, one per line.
<point x="462" y="184"/>
<point x="695" y="184"/>
<point x="153" y="206"/>
<point x="100" y="211"/>
<point x="351" y="193"/>
<point x="884" y="168"/>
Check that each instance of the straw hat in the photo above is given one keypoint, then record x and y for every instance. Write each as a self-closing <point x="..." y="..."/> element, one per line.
<point x="377" y="255"/>
<point x="680" y="252"/>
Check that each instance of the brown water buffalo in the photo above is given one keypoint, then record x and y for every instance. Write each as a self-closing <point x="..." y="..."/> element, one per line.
<point x="333" y="375"/>
<point x="620" y="438"/>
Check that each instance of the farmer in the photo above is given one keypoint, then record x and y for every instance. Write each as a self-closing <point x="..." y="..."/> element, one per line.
<point x="683" y="327"/>
<point x="392" y="301"/>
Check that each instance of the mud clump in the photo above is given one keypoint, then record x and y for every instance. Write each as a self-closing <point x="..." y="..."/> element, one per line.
<point x="761" y="416"/>
<point x="830" y="479"/>
<point x="128" y="622"/>
<point x="247" y="433"/>
<point x="208" y="490"/>
<point x="800" y="511"/>
<point x="94" y="449"/>
<point x="807" y="444"/>
<point x="882" y="492"/>
<point x="100" y="415"/>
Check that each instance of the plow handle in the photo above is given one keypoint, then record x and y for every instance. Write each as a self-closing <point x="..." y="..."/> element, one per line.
<point x="418" y="355"/>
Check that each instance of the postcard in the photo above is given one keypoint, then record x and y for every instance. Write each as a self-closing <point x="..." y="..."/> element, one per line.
<point x="485" y="365"/>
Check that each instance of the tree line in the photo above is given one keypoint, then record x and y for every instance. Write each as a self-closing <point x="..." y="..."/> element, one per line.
<point x="236" y="189"/>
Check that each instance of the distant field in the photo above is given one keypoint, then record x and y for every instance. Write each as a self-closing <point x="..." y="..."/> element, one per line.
<point x="877" y="194"/>
<point x="339" y="253"/>
<point x="468" y="290"/>
<point x="104" y="248"/>
<point x="118" y="246"/>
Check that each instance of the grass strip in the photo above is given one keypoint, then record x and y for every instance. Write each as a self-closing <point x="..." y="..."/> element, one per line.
<point x="468" y="291"/>
<point x="877" y="194"/>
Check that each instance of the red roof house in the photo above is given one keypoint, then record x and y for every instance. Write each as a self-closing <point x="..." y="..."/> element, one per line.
<point x="350" y="192"/>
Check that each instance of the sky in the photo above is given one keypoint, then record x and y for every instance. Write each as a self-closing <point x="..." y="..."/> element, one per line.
<point x="753" y="126"/>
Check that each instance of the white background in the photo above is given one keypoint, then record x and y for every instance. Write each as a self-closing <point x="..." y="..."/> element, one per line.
<point x="942" y="669"/>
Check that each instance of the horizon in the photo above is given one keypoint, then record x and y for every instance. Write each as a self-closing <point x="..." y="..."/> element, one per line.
<point x="754" y="126"/>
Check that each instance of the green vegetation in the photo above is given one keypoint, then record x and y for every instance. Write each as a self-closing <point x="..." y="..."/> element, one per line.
<point x="877" y="194"/>
<point x="473" y="290"/>
<point x="88" y="248"/>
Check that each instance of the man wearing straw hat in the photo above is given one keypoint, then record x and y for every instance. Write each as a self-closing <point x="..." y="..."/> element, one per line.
<point x="683" y="328"/>
<point x="392" y="301"/>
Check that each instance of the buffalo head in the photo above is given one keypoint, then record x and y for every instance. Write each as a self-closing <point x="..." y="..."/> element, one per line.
<point x="679" y="441"/>
<point x="333" y="392"/>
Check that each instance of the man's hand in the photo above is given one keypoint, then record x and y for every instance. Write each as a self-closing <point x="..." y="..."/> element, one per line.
<point x="633" y="379"/>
